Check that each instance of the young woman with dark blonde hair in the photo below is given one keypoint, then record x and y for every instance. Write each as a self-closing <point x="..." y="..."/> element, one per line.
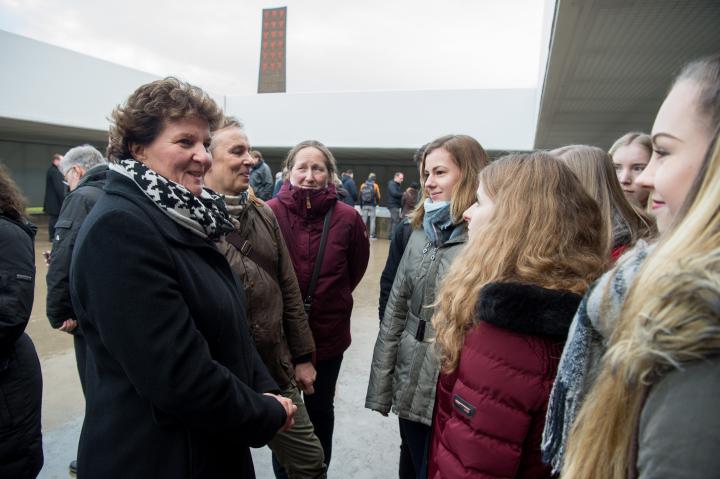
<point x="404" y="366"/>
<point x="624" y="223"/>
<point x="536" y="243"/>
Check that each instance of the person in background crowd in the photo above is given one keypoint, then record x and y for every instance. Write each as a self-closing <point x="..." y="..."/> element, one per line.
<point x="630" y="155"/>
<point x="54" y="193"/>
<point x="279" y="178"/>
<point x="681" y="135"/>
<point x="349" y="184"/>
<point x="624" y="223"/>
<point x="257" y="253"/>
<point x="395" y="193"/>
<point x="306" y="203"/>
<point x="174" y="384"/>
<point x="21" y="453"/>
<point x="85" y="171"/>
<point x="404" y="367"/>
<point x="503" y="314"/>
<point x="261" y="178"/>
<point x="409" y="199"/>
<point x="369" y="199"/>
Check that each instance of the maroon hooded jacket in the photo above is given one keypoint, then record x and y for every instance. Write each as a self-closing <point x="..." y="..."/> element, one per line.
<point x="490" y="411"/>
<point x="300" y="214"/>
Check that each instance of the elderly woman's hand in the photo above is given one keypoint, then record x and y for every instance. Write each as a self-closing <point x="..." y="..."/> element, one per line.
<point x="290" y="410"/>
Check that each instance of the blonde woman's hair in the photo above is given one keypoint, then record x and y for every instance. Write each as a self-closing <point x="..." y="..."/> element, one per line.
<point x="632" y="138"/>
<point x="546" y="230"/>
<point x="669" y="317"/>
<point x="470" y="157"/>
<point x="596" y="172"/>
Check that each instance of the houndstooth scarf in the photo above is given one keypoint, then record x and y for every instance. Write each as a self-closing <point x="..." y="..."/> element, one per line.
<point x="206" y="215"/>
<point x="579" y="365"/>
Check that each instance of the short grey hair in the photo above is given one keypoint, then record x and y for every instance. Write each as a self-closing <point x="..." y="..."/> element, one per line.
<point x="86" y="156"/>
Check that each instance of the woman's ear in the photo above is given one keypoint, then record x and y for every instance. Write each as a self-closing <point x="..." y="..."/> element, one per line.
<point x="137" y="151"/>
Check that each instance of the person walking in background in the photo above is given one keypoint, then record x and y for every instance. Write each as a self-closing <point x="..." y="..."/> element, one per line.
<point x="261" y="178"/>
<point x="630" y="155"/>
<point x="395" y="194"/>
<point x="503" y="314"/>
<point x="350" y="186"/>
<point x="85" y="171"/>
<point x="21" y="453"/>
<point x="54" y="193"/>
<point x="409" y="199"/>
<point x="308" y="210"/>
<point x="174" y="384"/>
<point x="256" y="251"/>
<point x="279" y="178"/>
<point x="369" y="199"/>
<point x="404" y="370"/>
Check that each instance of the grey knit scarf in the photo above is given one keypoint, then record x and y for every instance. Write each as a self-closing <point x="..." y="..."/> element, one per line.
<point x="586" y="344"/>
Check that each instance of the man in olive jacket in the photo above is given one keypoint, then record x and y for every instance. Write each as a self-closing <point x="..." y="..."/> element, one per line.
<point x="256" y="251"/>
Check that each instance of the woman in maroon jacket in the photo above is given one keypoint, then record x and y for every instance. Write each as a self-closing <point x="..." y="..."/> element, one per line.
<point x="301" y="207"/>
<point x="536" y="242"/>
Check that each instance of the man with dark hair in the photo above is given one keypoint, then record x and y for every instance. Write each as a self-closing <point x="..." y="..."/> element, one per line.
<point x="261" y="178"/>
<point x="54" y="193"/>
<point x="85" y="170"/>
<point x="394" y="203"/>
<point x="350" y="187"/>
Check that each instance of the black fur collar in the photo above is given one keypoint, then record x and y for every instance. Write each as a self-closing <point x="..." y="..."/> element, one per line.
<point x="527" y="308"/>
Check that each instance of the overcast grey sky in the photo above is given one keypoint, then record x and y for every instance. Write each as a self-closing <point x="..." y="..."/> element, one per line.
<point x="332" y="45"/>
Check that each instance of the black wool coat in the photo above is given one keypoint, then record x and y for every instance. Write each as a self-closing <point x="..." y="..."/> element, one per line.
<point x="173" y="378"/>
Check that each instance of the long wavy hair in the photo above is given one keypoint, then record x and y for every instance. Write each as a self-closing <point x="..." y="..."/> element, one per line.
<point x="470" y="157"/>
<point x="596" y="172"/>
<point x="546" y="230"/>
<point x="12" y="201"/>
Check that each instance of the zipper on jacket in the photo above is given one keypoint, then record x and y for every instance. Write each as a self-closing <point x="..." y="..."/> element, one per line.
<point x="307" y="202"/>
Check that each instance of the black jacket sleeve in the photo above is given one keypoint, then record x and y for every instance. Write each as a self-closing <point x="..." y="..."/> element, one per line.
<point x="17" y="285"/>
<point x="395" y="192"/>
<point x="74" y="211"/>
<point x="398" y="242"/>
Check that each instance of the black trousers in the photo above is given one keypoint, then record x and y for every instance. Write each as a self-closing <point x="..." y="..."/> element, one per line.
<point x="321" y="405"/>
<point x="414" y="443"/>
<point x="80" y="357"/>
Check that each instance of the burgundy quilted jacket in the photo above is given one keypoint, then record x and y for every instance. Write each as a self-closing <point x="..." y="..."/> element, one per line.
<point x="490" y="411"/>
<point x="300" y="214"/>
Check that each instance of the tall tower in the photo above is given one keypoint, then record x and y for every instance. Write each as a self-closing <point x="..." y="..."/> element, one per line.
<point x="272" y="51"/>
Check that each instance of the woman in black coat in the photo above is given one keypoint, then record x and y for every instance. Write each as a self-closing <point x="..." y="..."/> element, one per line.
<point x="21" y="454"/>
<point x="175" y="387"/>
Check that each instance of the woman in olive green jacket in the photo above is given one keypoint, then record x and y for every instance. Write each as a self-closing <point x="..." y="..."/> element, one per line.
<point x="404" y="367"/>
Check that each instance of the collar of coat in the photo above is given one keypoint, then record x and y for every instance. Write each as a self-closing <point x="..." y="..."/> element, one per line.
<point x="23" y="224"/>
<point x="298" y="199"/>
<point x="120" y="185"/>
<point x="527" y="308"/>
<point x="95" y="176"/>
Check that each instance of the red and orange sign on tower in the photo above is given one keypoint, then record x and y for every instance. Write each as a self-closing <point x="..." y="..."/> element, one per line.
<point x="272" y="51"/>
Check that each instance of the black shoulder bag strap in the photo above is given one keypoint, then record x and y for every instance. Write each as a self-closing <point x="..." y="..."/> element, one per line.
<point x="307" y="302"/>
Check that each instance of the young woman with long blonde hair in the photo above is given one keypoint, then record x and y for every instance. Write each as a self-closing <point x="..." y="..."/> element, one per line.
<point x="653" y="410"/>
<point x="404" y="367"/>
<point x="536" y="243"/>
<point x="682" y="132"/>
